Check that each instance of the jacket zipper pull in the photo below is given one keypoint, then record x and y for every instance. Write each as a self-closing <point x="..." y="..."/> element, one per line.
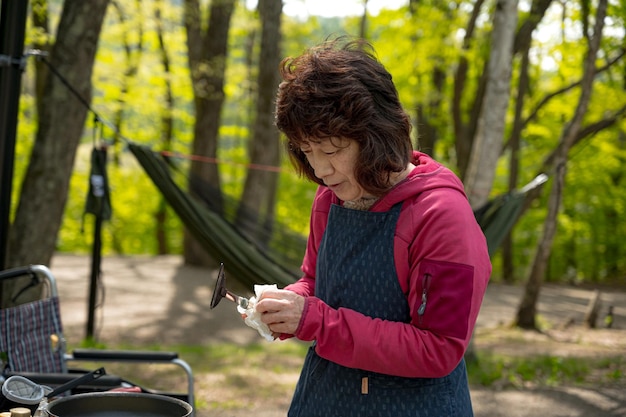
<point x="422" y="308"/>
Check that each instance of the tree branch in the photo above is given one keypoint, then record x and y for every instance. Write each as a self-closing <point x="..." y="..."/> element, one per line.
<point x="567" y="88"/>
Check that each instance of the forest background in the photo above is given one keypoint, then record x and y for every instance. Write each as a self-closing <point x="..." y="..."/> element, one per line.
<point x="500" y="92"/>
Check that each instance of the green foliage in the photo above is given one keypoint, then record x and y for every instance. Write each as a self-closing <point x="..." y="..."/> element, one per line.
<point x="590" y="228"/>
<point x="295" y="195"/>
<point x="414" y="47"/>
<point x="519" y="372"/>
<point x="131" y="228"/>
<point x="92" y="344"/>
<point x="24" y="141"/>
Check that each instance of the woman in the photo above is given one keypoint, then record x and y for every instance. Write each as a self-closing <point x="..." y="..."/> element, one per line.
<point x="396" y="266"/>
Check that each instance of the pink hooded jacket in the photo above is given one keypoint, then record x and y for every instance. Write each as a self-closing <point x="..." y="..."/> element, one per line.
<point x="442" y="265"/>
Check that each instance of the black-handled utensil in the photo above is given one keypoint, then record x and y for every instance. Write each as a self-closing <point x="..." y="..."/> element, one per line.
<point x="220" y="291"/>
<point x="89" y="376"/>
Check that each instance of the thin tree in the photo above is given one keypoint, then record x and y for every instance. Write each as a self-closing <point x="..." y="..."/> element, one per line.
<point x="490" y="133"/>
<point x="521" y="47"/>
<point x="363" y="22"/>
<point x="132" y="59"/>
<point x="167" y="127"/>
<point x="207" y="51"/>
<point x="526" y="312"/>
<point x="464" y="127"/>
<point x="428" y="110"/>
<point x="256" y="210"/>
<point x="41" y="28"/>
<point x="609" y="120"/>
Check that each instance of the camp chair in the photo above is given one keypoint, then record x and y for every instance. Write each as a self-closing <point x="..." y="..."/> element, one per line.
<point x="32" y="343"/>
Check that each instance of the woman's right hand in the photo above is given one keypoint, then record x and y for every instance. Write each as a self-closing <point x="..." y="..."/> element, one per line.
<point x="281" y="310"/>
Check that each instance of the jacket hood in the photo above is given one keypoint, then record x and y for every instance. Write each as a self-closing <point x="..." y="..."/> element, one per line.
<point x="427" y="175"/>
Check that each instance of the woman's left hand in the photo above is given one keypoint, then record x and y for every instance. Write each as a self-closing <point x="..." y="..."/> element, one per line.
<point x="281" y="310"/>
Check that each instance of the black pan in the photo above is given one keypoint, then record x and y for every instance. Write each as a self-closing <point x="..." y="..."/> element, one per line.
<point x="118" y="404"/>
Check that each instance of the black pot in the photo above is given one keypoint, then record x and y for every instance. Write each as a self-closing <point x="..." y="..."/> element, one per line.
<point x="118" y="404"/>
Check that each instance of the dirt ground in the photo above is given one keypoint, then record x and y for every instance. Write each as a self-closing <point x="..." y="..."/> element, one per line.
<point x="155" y="300"/>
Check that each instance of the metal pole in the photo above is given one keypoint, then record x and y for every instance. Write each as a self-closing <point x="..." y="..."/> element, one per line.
<point x="96" y="260"/>
<point x="97" y="202"/>
<point x="12" y="29"/>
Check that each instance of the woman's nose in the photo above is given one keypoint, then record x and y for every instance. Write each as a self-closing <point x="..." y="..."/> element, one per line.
<point x="322" y="166"/>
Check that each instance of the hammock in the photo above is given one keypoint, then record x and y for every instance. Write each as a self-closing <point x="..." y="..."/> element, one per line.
<point x="221" y="240"/>
<point x="498" y="216"/>
<point x="251" y="263"/>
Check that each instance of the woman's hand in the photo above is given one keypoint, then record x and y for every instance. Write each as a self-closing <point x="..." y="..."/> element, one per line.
<point x="281" y="310"/>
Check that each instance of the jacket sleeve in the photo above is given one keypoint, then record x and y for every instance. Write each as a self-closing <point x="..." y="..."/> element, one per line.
<point x="443" y="267"/>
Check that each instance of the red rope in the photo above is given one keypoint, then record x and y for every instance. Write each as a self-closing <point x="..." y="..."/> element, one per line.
<point x="220" y="161"/>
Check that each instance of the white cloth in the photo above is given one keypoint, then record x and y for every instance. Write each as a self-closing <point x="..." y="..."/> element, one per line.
<point x="253" y="317"/>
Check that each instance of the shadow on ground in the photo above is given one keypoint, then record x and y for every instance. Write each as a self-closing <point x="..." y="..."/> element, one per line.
<point x="158" y="300"/>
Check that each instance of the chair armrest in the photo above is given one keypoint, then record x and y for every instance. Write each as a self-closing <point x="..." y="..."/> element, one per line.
<point x="122" y="355"/>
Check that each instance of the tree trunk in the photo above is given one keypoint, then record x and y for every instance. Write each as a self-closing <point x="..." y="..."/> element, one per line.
<point x="207" y="63"/>
<point x="256" y="209"/>
<point x="39" y="12"/>
<point x="593" y="310"/>
<point x="590" y="130"/>
<point x="428" y="113"/>
<point x="167" y="128"/>
<point x="32" y="238"/>
<point x="489" y="138"/>
<point x="527" y="309"/>
<point x="521" y="46"/>
<point x="132" y="53"/>
<point x="491" y="125"/>
<point x="463" y="136"/>
<point x="363" y="23"/>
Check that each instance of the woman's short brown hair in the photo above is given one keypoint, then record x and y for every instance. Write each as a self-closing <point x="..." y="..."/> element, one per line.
<point x="340" y="89"/>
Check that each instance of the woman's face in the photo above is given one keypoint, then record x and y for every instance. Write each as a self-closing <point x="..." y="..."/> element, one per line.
<point x="333" y="161"/>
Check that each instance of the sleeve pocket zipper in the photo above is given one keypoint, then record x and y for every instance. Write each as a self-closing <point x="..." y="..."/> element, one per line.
<point x="422" y="308"/>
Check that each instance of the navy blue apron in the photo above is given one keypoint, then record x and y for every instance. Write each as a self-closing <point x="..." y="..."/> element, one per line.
<point x="356" y="270"/>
